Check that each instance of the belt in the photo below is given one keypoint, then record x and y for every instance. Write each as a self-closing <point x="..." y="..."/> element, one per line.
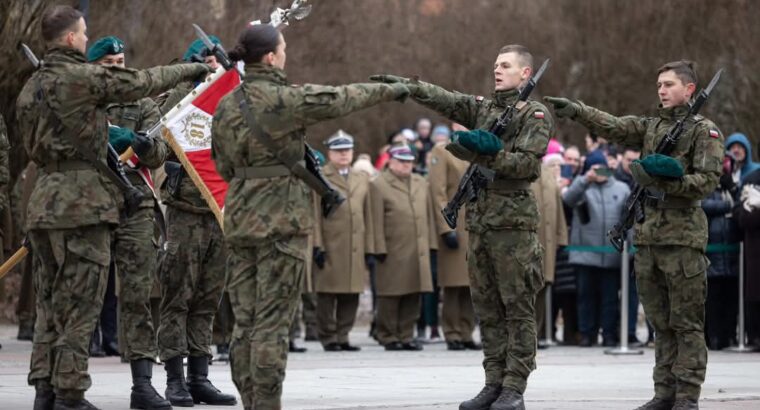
<point x="269" y="171"/>
<point x="672" y="203"/>
<point x="68" y="165"/>
<point x="509" y="185"/>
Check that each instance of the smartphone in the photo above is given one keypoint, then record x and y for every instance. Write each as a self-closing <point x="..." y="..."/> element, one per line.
<point x="603" y="172"/>
<point x="566" y="171"/>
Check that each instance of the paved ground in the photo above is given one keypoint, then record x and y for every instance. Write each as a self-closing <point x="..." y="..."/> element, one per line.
<point x="567" y="378"/>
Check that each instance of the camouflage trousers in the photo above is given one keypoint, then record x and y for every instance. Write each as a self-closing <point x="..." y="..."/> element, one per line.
<point x="672" y="285"/>
<point x="265" y="286"/>
<point x="70" y="276"/>
<point x="505" y="269"/>
<point x="192" y="275"/>
<point x="135" y="258"/>
<point x="224" y="321"/>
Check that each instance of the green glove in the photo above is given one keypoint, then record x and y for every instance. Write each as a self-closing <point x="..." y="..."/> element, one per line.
<point x="461" y="152"/>
<point x="120" y="138"/>
<point x="662" y="166"/>
<point x="640" y="175"/>
<point x="478" y="141"/>
<point x="411" y="85"/>
<point x="563" y="107"/>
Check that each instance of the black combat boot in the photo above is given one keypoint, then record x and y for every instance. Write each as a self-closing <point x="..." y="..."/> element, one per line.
<point x="144" y="396"/>
<point x="657" y="404"/>
<point x="686" y="404"/>
<point x="64" y="404"/>
<point x="201" y="388"/>
<point x="176" y="389"/>
<point x="509" y="399"/>
<point x="44" y="397"/>
<point x="72" y="400"/>
<point x="483" y="400"/>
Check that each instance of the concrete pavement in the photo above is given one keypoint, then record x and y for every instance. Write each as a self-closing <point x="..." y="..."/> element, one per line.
<point x="566" y="378"/>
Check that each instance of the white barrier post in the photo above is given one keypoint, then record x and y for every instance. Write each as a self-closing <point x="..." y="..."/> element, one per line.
<point x="624" y="273"/>
<point x="548" y="339"/>
<point x="741" y="348"/>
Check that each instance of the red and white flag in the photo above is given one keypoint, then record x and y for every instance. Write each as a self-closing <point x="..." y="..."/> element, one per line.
<point x="191" y="128"/>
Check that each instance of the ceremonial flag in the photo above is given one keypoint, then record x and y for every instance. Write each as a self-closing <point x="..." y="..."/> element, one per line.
<point x="188" y="130"/>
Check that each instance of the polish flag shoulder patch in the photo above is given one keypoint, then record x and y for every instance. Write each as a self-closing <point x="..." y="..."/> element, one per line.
<point x="539" y="115"/>
<point x="714" y="134"/>
<point x="479" y="98"/>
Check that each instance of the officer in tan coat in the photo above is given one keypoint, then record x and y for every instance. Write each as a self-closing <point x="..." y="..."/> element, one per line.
<point x="552" y="232"/>
<point x="341" y="243"/>
<point x="458" y="315"/>
<point x="404" y="234"/>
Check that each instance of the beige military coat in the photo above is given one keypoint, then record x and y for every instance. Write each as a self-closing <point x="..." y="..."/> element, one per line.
<point x="445" y="172"/>
<point x="404" y="230"/>
<point x="552" y="228"/>
<point x="346" y="236"/>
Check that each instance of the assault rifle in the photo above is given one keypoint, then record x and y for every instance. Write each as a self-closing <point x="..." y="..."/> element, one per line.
<point x="634" y="210"/>
<point x="477" y="177"/>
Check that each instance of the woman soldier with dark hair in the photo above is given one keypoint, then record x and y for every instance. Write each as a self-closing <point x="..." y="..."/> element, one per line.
<point x="258" y="139"/>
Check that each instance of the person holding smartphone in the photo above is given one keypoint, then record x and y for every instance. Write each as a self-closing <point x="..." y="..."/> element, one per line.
<point x="597" y="199"/>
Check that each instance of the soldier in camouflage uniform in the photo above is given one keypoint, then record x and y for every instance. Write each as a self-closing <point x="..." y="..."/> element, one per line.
<point x="269" y="211"/>
<point x="192" y="273"/>
<point x="61" y="111"/>
<point x="670" y="259"/>
<point x="133" y="251"/>
<point x="505" y="257"/>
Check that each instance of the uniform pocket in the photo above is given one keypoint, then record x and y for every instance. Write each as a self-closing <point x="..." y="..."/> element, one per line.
<point x="88" y="248"/>
<point x="695" y="265"/>
<point x="320" y="97"/>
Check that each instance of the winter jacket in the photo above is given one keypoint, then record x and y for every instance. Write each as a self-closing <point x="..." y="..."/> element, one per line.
<point x="722" y="229"/>
<point x="603" y="204"/>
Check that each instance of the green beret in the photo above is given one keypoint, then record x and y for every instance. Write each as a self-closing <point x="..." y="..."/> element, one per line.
<point x="478" y="141"/>
<point x="120" y="138"/>
<point x="662" y="166"/>
<point x="197" y="47"/>
<point x="105" y="46"/>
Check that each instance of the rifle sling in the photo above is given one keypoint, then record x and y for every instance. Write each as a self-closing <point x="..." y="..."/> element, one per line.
<point x="295" y="166"/>
<point x="79" y="146"/>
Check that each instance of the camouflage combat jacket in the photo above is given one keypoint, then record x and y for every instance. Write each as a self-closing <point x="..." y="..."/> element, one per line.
<point x="508" y="202"/>
<point x="77" y="94"/>
<point x="700" y="152"/>
<point x="188" y="197"/>
<point x="267" y="208"/>
<point x="140" y="116"/>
